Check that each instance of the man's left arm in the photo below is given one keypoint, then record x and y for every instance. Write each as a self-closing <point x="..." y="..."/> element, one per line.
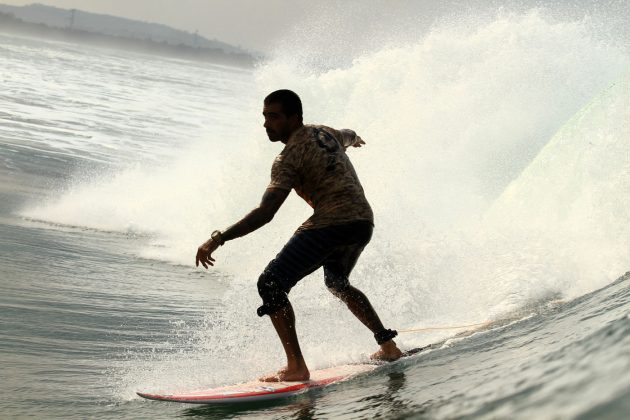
<point x="350" y="138"/>
<point x="260" y="216"/>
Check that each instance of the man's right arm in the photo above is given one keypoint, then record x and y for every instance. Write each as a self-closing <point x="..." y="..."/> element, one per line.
<point x="260" y="216"/>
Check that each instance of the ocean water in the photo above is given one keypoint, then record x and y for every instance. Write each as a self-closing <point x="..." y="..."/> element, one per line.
<point x="498" y="166"/>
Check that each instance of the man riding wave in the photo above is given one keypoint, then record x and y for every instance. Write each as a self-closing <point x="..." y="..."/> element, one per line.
<point x="314" y="163"/>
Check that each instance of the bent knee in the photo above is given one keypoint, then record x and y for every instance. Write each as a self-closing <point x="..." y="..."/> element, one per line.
<point x="273" y="295"/>
<point x="338" y="293"/>
<point x="337" y="285"/>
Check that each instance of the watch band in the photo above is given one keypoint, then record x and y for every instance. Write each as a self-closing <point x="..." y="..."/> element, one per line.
<point x="218" y="237"/>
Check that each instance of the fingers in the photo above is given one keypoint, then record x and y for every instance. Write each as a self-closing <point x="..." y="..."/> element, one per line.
<point x="204" y="258"/>
<point x="203" y="253"/>
<point x="206" y="262"/>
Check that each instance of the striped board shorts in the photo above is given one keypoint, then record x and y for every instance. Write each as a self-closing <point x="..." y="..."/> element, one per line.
<point x="337" y="248"/>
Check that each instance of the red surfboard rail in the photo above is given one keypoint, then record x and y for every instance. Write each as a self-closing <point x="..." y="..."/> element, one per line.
<point x="258" y="391"/>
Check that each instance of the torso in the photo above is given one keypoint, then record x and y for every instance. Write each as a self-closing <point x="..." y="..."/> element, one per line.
<point x="315" y="164"/>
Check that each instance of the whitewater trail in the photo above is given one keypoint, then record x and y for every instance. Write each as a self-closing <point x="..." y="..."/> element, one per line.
<point x="460" y="126"/>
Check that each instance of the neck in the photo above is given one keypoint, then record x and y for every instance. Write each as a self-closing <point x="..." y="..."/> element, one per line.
<point x="293" y="130"/>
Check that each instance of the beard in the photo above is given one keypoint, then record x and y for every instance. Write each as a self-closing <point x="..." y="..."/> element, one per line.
<point x="275" y="136"/>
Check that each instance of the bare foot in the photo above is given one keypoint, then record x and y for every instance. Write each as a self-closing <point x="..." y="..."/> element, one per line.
<point x="286" y="375"/>
<point x="388" y="352"/>
<point x="274" y="377"/>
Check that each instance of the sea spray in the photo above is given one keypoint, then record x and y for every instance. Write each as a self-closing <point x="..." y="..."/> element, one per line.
<point x="450" y="120"/>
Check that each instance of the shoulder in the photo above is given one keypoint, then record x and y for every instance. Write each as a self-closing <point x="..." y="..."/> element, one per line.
<point x="292" y="152"/>
<point x="318" y="128"/>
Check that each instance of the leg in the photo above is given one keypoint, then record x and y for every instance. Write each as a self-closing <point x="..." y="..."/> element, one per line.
<point x="284" y="322"/>
<point x="337" y="268"/>
<point x="361" y="307"/>
<point x="302" y="255"/>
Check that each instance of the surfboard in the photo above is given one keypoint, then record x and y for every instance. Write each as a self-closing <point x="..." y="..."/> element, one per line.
<point x="261" y="391"/>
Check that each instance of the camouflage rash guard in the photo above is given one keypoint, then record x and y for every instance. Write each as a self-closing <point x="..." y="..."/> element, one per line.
<point x="315" y="164"/>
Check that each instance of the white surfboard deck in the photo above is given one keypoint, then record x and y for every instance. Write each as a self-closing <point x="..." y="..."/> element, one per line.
<point x="260" y="391"/>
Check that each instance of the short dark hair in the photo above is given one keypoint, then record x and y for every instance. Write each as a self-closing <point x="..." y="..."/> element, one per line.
<point x="290" y="101"/>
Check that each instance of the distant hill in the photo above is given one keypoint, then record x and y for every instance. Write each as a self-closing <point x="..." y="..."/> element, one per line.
<point x="114" y="26"/>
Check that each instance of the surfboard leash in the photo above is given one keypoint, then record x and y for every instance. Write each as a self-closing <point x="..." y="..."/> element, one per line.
<point x="449" y="327"/>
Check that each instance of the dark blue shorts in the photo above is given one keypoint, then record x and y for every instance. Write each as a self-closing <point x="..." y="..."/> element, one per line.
<point x="336" y="248"/>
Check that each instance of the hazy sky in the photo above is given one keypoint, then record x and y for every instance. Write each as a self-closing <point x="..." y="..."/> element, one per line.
<point x="258" y="24"/>
<point x="253" y="24"/>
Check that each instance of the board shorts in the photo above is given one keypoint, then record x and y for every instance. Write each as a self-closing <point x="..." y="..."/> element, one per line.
<point x="336" y="248"/>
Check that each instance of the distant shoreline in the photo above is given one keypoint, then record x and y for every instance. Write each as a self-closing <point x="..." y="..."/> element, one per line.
<point x="13" y="25"/>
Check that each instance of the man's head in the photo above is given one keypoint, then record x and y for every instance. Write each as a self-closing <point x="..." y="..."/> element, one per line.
<point x="283" y="114"/>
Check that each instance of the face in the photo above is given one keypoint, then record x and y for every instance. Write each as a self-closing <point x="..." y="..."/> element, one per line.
<point x="278" y="126"/>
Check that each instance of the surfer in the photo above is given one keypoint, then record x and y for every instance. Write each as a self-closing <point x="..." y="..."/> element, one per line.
<point x="314" y="163"/>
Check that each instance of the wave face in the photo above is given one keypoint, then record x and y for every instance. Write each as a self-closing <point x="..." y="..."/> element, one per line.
<point x="462" y="162"/>
<point x="496" y="163"/>
<point x="574" y="195"/>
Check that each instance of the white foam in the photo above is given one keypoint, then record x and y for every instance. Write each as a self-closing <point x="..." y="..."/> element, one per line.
<point x="450" y="120"/>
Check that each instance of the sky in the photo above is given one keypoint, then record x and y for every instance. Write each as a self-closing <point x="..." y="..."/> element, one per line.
<point x="259" y="25"/>
<point x="252" y="24"/>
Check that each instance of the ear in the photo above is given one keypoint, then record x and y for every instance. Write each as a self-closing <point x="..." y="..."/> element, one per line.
<point x="295" y="119"/>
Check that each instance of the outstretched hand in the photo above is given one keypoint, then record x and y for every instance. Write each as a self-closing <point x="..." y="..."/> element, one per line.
<point x="359" y="142"/>
<point x="204" y="251"/>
